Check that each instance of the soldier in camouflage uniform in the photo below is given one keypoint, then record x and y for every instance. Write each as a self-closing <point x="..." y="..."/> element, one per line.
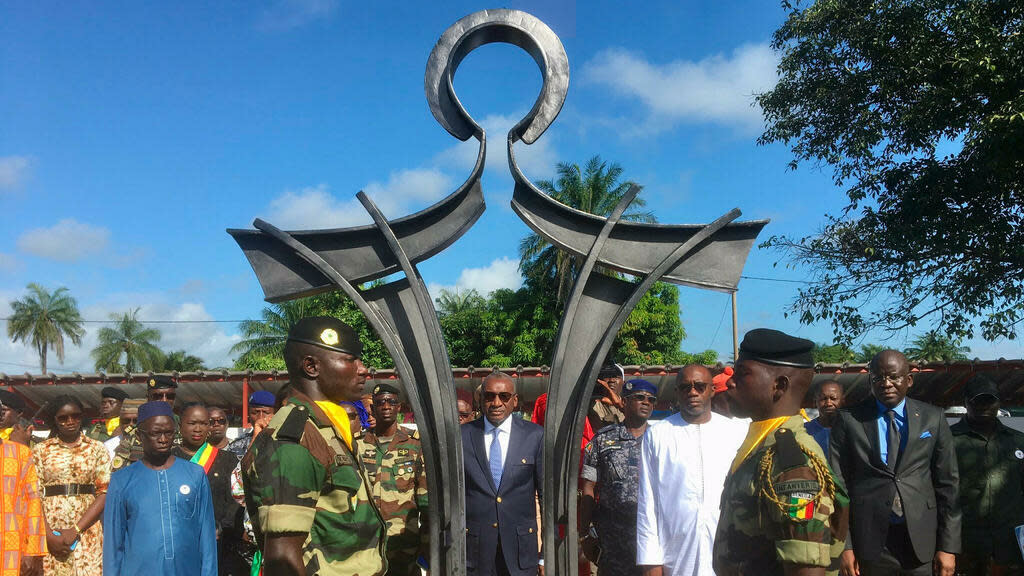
<point x="783" y="510"/>
<point x="393" y="459"/>
<point x="611" y="477"/>
<point x="158" y="388"/>
<point x="110" y="414"/>
<point x="304" y="488"/>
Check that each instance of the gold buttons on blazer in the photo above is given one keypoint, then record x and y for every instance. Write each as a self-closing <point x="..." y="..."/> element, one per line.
<point x="531" y="530"/>
<point x="499" y="499"/>
<point x="524" y="460"/>
<point x="495" y="525"/>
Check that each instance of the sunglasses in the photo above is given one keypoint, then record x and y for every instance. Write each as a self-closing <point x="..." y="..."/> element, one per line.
<point x="69" y="418"/>
<point x="700" y="387"/>
<point x="217" y="421"/>
<point x="504" y="396"/>
<point x="644" y="398"/>
<point x="388" y="401"/>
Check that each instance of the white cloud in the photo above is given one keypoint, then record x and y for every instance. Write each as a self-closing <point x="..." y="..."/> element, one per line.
<point x="716" y="90"/>
<point x="284" y="15"/>
<point x="500" y="273"/>
<point x="66" y="241"/>
<point x="536" y="160"/>
<point x="14" y="170"/>
<point x="405" y="191"/>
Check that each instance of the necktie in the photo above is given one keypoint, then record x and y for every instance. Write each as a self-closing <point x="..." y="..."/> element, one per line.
<point x="892" y="439"/>
<point x="496" y="461"/>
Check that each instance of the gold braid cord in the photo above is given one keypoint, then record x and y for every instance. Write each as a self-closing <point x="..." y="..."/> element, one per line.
<point x="826" y="483"/>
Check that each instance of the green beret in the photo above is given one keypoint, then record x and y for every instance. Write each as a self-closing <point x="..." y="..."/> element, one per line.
<point x="385" y="389"/>
<point x="328" y="333"/>
<point x="778" y="348"/>
<point x="160" y="382"/>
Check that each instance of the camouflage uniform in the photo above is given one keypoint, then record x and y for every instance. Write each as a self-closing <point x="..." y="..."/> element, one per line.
<point x="757" y="535"/>
<point x="300" y="477"/>
<point x="399" y="487"/>
<point x="612" y="460"/>
<point x="98" y="431"/>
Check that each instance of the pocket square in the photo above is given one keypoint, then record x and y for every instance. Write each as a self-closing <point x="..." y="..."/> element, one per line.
<point x="925" y="434"/>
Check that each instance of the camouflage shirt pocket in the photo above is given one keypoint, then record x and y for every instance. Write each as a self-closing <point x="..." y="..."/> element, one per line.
<point x="344" y="488"/>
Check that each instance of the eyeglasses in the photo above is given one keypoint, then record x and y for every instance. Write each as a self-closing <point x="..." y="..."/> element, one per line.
<point x="162" y="395"/>
<point x="503" y="396"/>
<point x="218" y="421"/>
<point x="700" y="387"/>
<point x="894" y="380"/>
<point x="644" y="398"/>
<point x="388" y="401"/>
<point x="157" y="435"/>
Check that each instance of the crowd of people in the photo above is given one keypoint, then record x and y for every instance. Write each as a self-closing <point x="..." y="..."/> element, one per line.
<point x="736" y="481"/>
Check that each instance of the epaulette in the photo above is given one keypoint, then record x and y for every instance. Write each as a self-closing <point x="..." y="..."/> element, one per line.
<point x="787" y="450"/>
<point x="294" y="424"/>
<point x="604" y="429"/>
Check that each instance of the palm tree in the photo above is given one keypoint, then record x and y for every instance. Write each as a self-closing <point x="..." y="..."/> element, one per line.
<point x="44" y="319"/>
<point x="266" y="338"/>
<point x="934" y="347"/>
<point x="127" y="346"/>
<point x="868" y="352"/>
<point x="595" y="189"/>
<point x="455" y="301"/>
<point x="181" y="361"/>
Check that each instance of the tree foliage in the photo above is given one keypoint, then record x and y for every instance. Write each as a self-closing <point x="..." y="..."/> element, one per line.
<point x="832" y="353"/>
<point x="127" y="346"/>
<point x="935" y="347"/>
<point x="181" y="361"/>
<point x="918" y="107"/>
<point x="43" y="318"/>
<point x="595" y="189"/>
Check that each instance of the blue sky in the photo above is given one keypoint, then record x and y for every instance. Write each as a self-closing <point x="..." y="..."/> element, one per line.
<point x="134" y="133"/>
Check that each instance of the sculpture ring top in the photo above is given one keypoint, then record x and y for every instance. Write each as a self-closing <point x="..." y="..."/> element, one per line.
<point x="484" y="27"/>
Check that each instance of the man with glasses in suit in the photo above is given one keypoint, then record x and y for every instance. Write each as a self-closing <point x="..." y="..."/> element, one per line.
<point x="684" y="460"/>
<point x="502" y="455"/>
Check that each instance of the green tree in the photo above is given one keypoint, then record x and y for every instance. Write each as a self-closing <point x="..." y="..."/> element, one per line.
<point x="596" y="190"/>
<point x="935" y="347"/>
<point x="181" y="361"/>
<point x="262" y="347"/>
<point x="918" y="107"/>
<point x="653" y="331"/>
<point x="867" y="353"/>
<point x="832" y="353"/>
<point x="43" y="319"/>
<point x="127" y="346"/>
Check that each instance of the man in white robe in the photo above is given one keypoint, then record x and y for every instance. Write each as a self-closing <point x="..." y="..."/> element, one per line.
<point x="684" y="460"/>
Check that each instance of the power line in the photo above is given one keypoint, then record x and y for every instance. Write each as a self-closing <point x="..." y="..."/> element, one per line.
<point x="764" y="279"/>
<point x="157" y="321"/>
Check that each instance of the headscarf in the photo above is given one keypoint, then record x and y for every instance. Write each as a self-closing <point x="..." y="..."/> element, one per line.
<point x="364" y="416"/>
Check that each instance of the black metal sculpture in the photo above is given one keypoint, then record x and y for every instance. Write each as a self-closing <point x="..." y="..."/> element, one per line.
<point x="294" y="264"/>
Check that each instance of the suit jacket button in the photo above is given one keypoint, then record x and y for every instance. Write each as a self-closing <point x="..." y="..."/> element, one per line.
<point x="495" y="525"/>
<point x="499" y="499"/>
<point x="531" y="530"/>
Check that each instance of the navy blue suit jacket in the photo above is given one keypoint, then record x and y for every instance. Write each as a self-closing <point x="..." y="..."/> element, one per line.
<point x="505" y="513"/>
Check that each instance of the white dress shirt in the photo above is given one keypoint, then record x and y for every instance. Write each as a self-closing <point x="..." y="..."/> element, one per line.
<point x="682" y="473"/>
<point x="504" y="433"/>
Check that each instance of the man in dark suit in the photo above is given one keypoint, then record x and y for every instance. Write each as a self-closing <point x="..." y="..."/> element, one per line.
<point x="502" y="457"/>
<point x="897" y="457"/>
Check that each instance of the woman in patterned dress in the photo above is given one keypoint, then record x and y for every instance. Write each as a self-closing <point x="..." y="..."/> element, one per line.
<point x="74" y="471"/>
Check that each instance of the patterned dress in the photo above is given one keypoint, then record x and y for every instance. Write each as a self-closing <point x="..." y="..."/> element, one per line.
<point x="21" y="516"/>
<point x="86" y="462"/>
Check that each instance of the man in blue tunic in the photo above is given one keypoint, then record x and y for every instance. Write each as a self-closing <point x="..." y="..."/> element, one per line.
<point x="158" y="518"/>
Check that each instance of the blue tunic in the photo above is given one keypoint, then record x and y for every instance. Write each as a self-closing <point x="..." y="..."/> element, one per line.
<point x="159" y="522"/>
<point x="819" y="433"/>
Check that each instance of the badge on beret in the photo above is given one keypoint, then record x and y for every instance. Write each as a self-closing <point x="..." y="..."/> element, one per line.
<point x="629" y="385"/>
<point x="152" y="382"/>
<point x="376" y="389"/>
<point x="329" y="337"/>
<point x="184" y="489"/>
<point x="1019" y="454"/>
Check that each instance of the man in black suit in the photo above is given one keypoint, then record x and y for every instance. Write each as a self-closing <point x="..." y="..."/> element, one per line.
<point x="897" y="457"/>
<point x="502" y="457"/>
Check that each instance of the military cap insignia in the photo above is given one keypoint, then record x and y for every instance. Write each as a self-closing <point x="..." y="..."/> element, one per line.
<point x="376" y="389"/>
<point x="1019" y="454"/>
<point x="629" y="385"/>
<point x="329" y="337"/>
<point x="118" y="462"/>
<point x="152" y="382"/>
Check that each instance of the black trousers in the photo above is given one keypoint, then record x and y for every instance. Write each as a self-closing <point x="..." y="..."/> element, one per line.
<point x="897" y="557"/>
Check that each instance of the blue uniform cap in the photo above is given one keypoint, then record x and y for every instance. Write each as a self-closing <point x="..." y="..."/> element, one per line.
<point x="639" y="385"/>
<point x="153" y="409"/>
<point x="261" y="398"/>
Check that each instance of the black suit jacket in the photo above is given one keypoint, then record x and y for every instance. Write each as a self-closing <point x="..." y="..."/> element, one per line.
<point x="506" y="513"/>
<point x="926" y="477"/>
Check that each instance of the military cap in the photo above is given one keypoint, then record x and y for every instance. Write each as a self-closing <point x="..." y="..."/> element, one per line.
<point x="639" y="385"/>
<point x="611" y="371"/>
<point x="385" y="389"/>
<point x="261" y="398"/>
<point x="328" y="333"/>
<point x="980" y="385"/>
<point x="774" y="347"/>
<point x="157" y="382"/>
<point x="154" y="409"/>
<point x="115" y="393"/>
<point x="131" y="405"/>
<point x="12" y="401"/>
